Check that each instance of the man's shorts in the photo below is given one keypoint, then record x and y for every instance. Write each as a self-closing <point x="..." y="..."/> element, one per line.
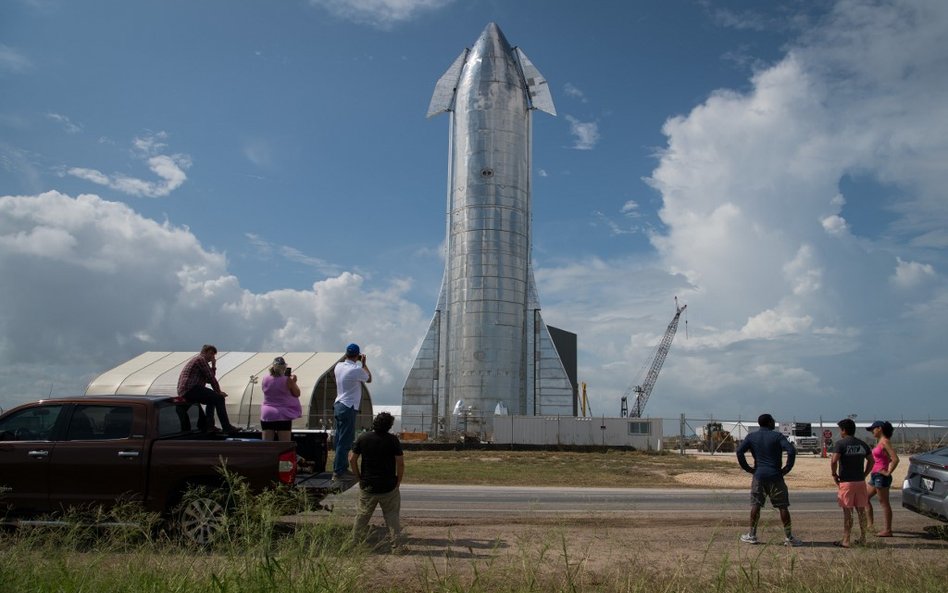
<point x="853" y="495"/>
<point x="774" y="489"/>
<point x="880" y="480"/>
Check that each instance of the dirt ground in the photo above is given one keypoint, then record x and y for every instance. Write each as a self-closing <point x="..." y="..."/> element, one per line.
<point x="598" y="550"/>
<point x="810" y="472"/>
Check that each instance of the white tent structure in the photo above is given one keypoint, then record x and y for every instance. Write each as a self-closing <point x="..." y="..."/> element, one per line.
<point x="156" y="373"/>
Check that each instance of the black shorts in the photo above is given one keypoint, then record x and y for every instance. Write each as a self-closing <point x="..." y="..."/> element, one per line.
<point x="775" y="490"/>
<point x="879" y="480"/>
<point x="276" y="425"/>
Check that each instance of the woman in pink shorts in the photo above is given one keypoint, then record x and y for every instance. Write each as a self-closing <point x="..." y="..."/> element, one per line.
<point x="885" y="460"/>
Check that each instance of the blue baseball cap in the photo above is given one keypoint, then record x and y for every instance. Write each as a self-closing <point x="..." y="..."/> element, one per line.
<point x="352" y="350"/>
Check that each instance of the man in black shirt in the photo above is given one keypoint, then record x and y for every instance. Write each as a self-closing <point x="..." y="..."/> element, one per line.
<point x="768" y="446"/>
<point x="380" y="475"/>
<point x="851" y="463"/>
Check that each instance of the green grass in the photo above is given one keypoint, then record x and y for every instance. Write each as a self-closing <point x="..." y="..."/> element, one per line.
<point x="256" y="552"/>
<point x="320" y="558"/>
<point x="612" y="468"/>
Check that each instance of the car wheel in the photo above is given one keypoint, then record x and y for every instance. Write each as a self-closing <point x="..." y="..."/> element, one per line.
<point x="200" y="520"/>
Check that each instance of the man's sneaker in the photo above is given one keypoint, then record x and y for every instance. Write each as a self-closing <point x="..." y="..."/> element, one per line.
<point x="793" y="542"/>
<point x="749" y="538"/>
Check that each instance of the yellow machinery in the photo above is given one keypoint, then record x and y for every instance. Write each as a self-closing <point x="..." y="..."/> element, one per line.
<point x="716" y="439"/>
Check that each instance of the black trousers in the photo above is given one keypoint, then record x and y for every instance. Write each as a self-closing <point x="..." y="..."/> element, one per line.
<point x="214" y="402"/>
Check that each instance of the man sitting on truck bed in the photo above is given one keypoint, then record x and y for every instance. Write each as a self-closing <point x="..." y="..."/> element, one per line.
<point x="192" y="386"/>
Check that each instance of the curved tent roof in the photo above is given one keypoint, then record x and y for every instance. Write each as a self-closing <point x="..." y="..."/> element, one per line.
<point x="156" y="373"/>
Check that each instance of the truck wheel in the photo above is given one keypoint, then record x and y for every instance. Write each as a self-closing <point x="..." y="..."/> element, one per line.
<point x="200" y="520"/>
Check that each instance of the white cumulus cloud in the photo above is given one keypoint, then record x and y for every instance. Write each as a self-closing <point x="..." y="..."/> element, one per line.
<point x="13" y="61"/>
<point x="169" y="168"/>
<point x="586" y="133"/>
<point x="910" y="274"/>
<point x="383" y="14"/>
<point x="785" y="303"/>
<point x="96" y="284"/>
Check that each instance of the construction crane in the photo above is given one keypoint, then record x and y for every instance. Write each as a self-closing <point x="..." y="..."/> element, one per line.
<point x="642" y="391"/>
<point x="585" y="403"/>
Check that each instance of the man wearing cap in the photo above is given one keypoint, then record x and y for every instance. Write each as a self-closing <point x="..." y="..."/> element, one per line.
<point x="851" y="463"/>
<point x="767" y="446"/>
<point x="350" y="373"/>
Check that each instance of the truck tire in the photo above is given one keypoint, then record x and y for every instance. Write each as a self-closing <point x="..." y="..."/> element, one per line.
<point x="199" y="519"/>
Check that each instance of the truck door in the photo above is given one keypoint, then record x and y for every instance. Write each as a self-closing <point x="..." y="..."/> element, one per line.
<point x="101" y="457"/>
<point x="27" y="442"/>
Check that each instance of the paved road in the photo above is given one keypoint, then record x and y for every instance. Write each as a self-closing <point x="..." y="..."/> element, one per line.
<point x="467" y="501"/>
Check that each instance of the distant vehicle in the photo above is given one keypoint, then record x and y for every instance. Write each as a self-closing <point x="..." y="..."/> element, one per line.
<point x="715" y="439"/>
<point x="925" y="490"/>
<point x="805" y="444"/>
<point x="58" y="454"/>
<point x="800" y="435"/>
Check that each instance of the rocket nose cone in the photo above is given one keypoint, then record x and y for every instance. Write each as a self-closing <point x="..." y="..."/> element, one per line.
<point x="492" y="36"/>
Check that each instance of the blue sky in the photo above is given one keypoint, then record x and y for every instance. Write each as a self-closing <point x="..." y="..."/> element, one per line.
<point x="260" y="175"/>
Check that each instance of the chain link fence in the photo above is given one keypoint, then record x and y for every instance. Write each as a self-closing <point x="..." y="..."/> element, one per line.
<point x="683" y="434"/>
<point x="717" y="435"/>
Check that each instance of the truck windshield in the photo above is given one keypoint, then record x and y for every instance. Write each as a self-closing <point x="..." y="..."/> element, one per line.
<point x="176" y="418"/>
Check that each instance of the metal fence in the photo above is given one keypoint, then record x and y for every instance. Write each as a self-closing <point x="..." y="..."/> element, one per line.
<point x="718" y="435"/>
<point x="640" y="433"/>
<point x="685" y="433"/>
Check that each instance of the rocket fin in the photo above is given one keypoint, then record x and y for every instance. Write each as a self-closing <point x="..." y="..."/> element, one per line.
<point x="553" y="391"/>
<point x="420" y="393"/>
<point x="540" y="97"/>
<point x="443" y="98"/>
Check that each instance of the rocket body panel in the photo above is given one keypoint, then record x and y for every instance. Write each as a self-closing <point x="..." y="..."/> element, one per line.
<point x="482" y="346"/>
<point x="489" y="237"/>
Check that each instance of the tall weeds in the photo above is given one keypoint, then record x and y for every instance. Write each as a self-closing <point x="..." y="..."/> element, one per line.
<point x="257" y="550"/>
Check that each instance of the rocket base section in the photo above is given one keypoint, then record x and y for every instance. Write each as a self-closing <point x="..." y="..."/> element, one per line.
<point x="420" y="393"/>
<point x="550" y="386"/>
<point x="553" y="389"/>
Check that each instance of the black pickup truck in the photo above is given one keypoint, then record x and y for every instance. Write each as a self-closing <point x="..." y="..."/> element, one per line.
<point x="64" y="453"/>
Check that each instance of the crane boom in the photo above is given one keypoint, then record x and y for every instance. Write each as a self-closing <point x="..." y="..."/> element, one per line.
<point x="645" y="389"/>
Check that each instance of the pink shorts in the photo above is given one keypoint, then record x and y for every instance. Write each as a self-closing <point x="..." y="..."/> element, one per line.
<point x="853" y="495"/>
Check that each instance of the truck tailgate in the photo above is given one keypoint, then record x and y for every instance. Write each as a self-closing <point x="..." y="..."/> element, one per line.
<point x="176" y="462"/>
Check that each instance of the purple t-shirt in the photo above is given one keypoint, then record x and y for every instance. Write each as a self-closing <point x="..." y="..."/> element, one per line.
<point x="278" y="402"/>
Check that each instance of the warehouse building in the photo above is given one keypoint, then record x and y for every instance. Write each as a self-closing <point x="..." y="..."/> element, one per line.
<point x="239" y="374"/>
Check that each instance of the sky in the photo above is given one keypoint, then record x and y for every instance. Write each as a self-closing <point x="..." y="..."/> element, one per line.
<point x="261" y="176"/>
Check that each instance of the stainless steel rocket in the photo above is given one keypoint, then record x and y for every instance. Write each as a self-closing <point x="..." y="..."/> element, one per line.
<point x="487" y="346"/>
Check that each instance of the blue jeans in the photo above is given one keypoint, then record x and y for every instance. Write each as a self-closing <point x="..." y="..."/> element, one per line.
<point x="345" y="434"/>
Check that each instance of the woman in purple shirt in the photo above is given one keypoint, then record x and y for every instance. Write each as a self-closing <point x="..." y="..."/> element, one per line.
<point x="281" y="402"/>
